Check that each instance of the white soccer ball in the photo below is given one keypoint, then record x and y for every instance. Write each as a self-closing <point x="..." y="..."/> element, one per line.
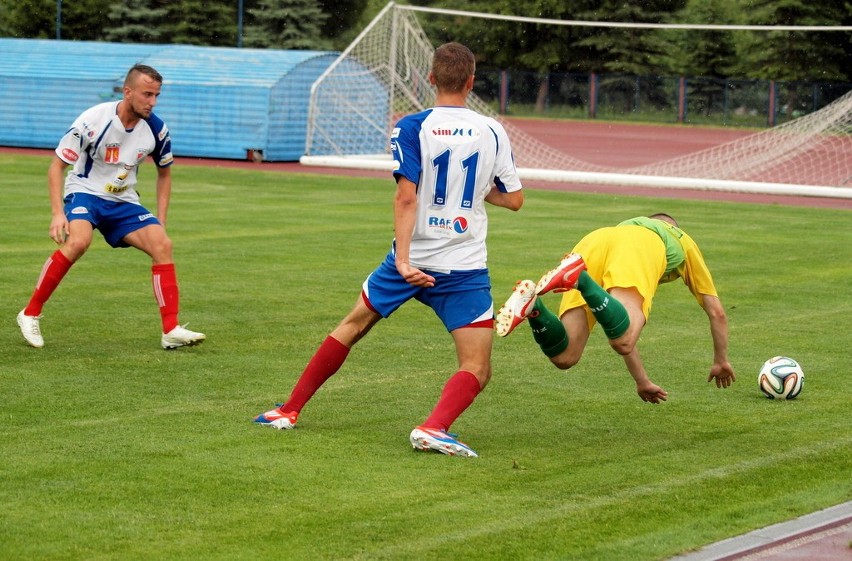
<point x="781" y="377"/>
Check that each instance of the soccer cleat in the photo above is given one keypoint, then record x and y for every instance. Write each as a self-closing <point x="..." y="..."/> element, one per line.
<point x="278" y="419"/>
<point x="564" y="277"/>
<point x="517" y="307"/>
<point x="181" y="337"/>
<point x="424" y="438"/>
<point x="30" y="329"/>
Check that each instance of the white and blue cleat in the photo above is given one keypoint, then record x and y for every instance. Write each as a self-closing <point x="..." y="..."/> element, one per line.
<point x="425" y="438"/>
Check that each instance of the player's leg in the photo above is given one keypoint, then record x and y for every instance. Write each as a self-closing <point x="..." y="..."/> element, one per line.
<point x="576" y="325"/>
<point x="152" y="239"/>
<point x="632" y="303"/>
<point x="57" y="265"/>
<point x="548" y="330"/>
<point x="382" y="293"/>
<point x="473" y="348"/>
<point x="54" y="270"/>
<point x="606" y="307"/>
<point x="324" y="364"/>
<point x="464" y="304"/>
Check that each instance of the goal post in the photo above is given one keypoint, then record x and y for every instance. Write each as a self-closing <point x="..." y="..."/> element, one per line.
<point x="383" y="75"/>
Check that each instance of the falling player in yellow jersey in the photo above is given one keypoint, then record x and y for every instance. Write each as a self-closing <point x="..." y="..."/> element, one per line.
<point x="610" y="277"/>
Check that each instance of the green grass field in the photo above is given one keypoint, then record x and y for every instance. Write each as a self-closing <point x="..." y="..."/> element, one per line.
<point x="114" y="449"/>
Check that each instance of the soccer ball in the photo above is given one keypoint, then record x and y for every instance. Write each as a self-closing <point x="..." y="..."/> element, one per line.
<point x="781" y="378"/>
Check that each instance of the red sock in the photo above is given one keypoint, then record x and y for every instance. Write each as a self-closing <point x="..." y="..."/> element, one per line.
<point x="166" y="292"/>
<point x="51" y="274"/>
<point x="459" y="392"/>
<point x="328" y="359"/>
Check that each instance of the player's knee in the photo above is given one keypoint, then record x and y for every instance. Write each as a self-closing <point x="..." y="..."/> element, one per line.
<point x="75" y="247"/>
<point x="622" y="345"/>
<point x="163" y="247"/>
<point x="483" y="375"/>
<point x="565" y="360"/>
<point x="480" y="371"/>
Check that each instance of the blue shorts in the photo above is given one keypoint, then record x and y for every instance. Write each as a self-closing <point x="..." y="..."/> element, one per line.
<point x="113" y="219"/>
<point x="458" y="298"/>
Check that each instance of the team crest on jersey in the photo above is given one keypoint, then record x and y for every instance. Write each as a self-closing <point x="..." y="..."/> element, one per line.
<point x="111" y="153"/>
<point x="454" y="132"/>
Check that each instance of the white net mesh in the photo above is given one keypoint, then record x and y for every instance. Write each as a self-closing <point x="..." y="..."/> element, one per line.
<point x="383" y="75"/>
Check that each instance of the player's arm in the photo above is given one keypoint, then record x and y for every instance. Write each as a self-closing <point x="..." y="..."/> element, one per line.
<point x="404" y="216"/>
<point x="55" y="185"/>
<point x="512" y="201"/>
<point x="164" y="192"/>
<point x="647" y="390"/>
<point x="721" y="371"/>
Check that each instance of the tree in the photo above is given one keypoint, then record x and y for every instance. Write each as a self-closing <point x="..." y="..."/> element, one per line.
<point x="84" y="20"/>
<point x="631" y="50"/>
<point x="81" y="20"/>
<point x="286" y="24"/>
<point x="508" y="44"/>
<point x="341" y="15"/>
<point x="790" y="56"/>
<point x="200" y="22"/>
<point x="794" y="55"/>
<point x="540" y="48"/>
<point x="706" y="53"/>
<point x="137" y="21"/>
<point x="7" y="27"/>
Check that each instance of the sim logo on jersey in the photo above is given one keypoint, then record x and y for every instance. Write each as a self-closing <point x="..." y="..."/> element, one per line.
<point x="454" y="132"/>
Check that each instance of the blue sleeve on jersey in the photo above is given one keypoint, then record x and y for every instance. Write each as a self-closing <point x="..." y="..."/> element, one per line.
<point x="162" y="153"/>
<point x="405" y="147"/>
<point x="496" y="138"/>
<point x="497" y="181"/>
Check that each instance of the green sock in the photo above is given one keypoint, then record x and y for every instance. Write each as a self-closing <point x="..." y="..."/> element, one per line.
<point x="547" y="330"/>
<point x="609" y="312"/>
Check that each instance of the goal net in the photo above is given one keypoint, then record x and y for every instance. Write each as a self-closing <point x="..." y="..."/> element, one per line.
<point x="383" y="75"/>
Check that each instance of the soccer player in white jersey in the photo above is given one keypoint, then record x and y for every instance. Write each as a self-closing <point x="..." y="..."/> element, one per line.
<point x="449" y="161"/>
<point x="105" y="146"/>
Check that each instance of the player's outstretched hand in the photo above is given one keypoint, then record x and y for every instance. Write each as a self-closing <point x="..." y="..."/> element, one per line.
<point x="723" y="372"/>
<point x="651" y="392"/>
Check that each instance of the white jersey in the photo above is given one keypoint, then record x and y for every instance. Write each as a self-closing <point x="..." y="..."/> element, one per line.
<point x="105" y="155"/>
<point x="454" y="155"/>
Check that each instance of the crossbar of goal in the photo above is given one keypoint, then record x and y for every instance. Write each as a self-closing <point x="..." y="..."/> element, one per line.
<point x="382" y="162"/>
<point x="625" y="24"/>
